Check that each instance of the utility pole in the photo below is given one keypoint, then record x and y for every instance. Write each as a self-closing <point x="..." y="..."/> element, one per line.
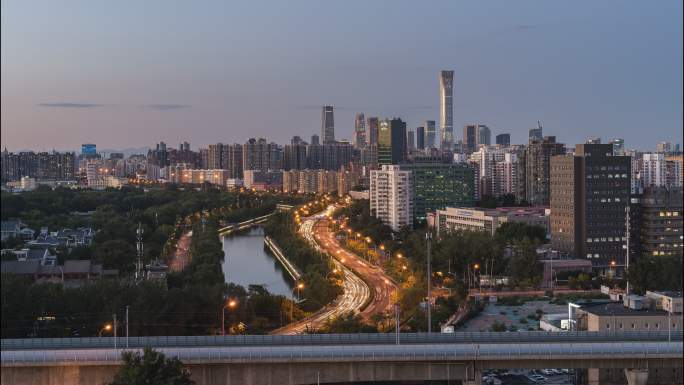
<point x="139" y="248"/>
<point x="428" y="236"/>
<point x="396" y="321"/>
<point x="114" y="331"/>
<point x="126" y="326"/>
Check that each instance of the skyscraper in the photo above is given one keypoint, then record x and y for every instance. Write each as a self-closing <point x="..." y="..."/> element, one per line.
<point x="420" y="137"/>
<point x="391" y="141"/>
<point x="430" y="134"/>
<point x="372" y="134"/>
<point x="327" y="125"/>
<point x="536" y="133"/>
<point x="359" y="130"/>
<point x="470" y="137"/>
<point x="446" y="109"/>
<point x="411" y="140"/>
<point x="590" y="191"/>
<point x="503" y="139"/>
<point x="484" y="135"/>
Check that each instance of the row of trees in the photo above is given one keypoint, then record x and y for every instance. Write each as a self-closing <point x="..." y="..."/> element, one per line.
<point x="321" y="284"/>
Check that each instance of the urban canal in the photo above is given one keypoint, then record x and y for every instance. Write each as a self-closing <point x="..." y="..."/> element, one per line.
<point x="248" y="263"/>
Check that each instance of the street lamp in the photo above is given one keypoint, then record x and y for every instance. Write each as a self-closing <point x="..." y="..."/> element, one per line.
<point x="231" y="304"/>
<point x="299" y="287"/>
<point x="106" y="327"/>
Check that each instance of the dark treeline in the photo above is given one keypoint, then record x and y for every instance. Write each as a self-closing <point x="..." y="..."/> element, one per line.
<point x="191" y="303"/>
<point x="117" y="213"/>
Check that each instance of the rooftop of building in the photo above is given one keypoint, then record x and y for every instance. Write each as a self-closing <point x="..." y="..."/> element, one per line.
<point x="619" y="309"/>
<point x="668" y="293"/>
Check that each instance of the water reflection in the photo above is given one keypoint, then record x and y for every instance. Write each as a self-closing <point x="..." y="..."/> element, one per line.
<point x="247" y="262"/>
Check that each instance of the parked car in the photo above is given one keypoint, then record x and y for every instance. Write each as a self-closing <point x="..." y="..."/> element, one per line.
<point x="537" y="378"/>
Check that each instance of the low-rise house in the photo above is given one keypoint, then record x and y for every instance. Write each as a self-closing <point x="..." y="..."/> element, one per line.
<point x="72" y="273"/>
<point x="10" y="229"/>
<point x="42" y="254"/>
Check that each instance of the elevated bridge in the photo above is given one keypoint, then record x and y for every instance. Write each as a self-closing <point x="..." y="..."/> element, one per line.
<point x="305" y="359"/>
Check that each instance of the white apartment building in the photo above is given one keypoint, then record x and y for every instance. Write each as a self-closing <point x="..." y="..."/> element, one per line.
<point x="390" y="196"/>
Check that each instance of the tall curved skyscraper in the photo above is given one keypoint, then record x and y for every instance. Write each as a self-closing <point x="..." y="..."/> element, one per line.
<point x="446" y="109"/>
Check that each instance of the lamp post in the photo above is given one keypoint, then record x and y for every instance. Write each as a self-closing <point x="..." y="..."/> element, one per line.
<point x="231" y="304"/>
<point x="476" y="269"/>
<point x="298" y="288"/>
<point x="106" y="327"/>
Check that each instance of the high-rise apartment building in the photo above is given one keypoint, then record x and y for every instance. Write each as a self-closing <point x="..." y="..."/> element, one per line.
<point x="259" y="154"/>
<point x="42" y="166"/>
<point x="537" y="170"/>
<point x="390" y="196"/>
<point x="327" y="125"/>
<point x="505" y="176"/>
<point x="392" y="147"/>
<point x="294" y="155"/>
<point x="590" y="191"/>
<point x="420" y="138"/>
<point x="372" y="130"/>
<point x="430" y="134"/>
<point x="446" y="109"/>
<point x="360" y="130"/>
<point x="503" y="140"/>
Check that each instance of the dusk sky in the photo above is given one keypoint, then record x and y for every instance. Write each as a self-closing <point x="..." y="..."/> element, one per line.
<point x="131" y="73"/>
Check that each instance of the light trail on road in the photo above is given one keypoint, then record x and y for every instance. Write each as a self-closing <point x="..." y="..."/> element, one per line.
<point x="356" y="290"/>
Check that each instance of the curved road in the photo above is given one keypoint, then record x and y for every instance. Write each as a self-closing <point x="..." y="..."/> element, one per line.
<point x="382" y="285"/>
<point x="358" y="274"/>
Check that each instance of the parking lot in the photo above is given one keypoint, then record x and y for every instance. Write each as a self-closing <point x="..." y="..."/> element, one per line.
<point x="512" y="315"/>
<point x="526" y="377"/>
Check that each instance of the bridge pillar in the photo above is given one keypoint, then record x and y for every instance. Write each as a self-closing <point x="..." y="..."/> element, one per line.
<point x="636" y="376"/>
<point x="476" y="379"/>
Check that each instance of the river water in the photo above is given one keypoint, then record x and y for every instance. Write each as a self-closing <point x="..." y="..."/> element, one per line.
<point x="247" y="262"/>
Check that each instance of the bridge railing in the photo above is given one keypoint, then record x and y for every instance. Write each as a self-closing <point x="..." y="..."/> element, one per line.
<point x="339" y="339"/>
<point x="573" y="352"/>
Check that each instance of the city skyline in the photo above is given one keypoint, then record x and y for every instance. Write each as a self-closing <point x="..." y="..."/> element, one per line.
<point x="507" y="76"/>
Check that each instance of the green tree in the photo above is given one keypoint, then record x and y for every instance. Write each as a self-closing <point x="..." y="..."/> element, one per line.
<point x="116" y="254"/>
<point x="151" y="368"/>
<point x="347" y="323"/>
<point x="524" y="267"/>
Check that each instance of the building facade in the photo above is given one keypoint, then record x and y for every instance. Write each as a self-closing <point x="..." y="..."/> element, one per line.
<point x="436" y="185"/>
<point x="538" y="154"/>
<point x="390" y="196"/>
<point x="590" y="192"/>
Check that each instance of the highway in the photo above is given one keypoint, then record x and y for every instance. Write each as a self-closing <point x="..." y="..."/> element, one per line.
<point x="356" y="292"/>
<point x="383" y="286"/>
